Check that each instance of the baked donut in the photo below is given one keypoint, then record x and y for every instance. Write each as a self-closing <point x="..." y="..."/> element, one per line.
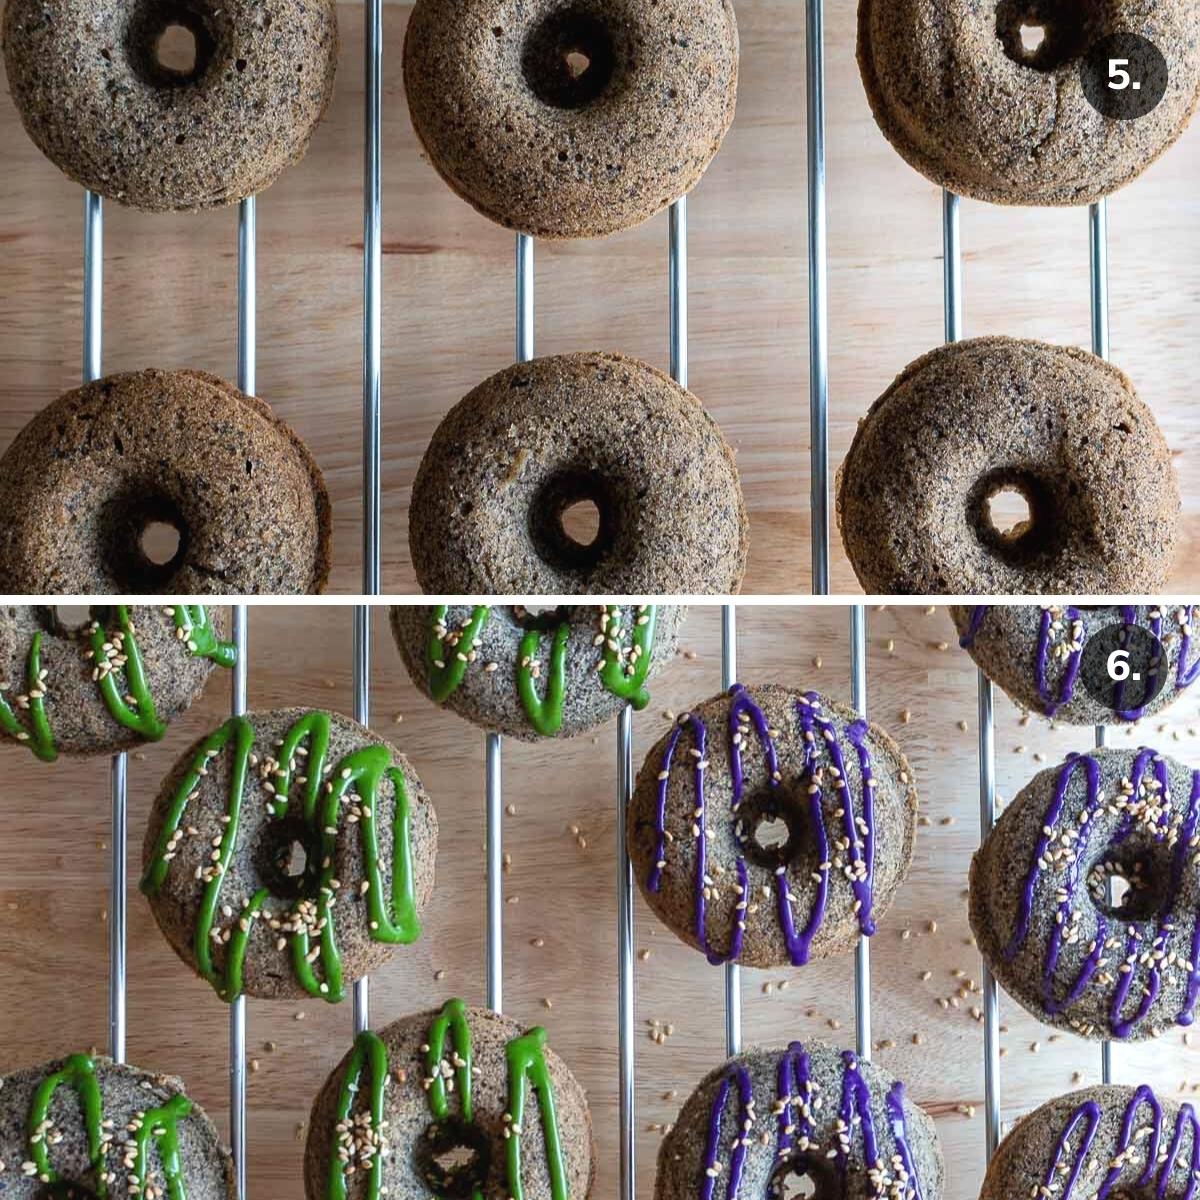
<point x="957" y="92"/>
<point x="1035" y="653"/>
<point x="1100" y="1141"/>
<point x="85" y="480"/>
<point x="108" y="684"/>
<point x="770" y="826"/>
<point x="977" y="419"/>
<point x="511" y="459"/>
<point x="84" y="1126"/>
<point x="489" y="664"/>
<point x="1048" y="911"/>
<point x="288" y="853"/>
<point x="571" y="118"/>
<point x="811" y="1118"/>
<point x="456" y="1102"/>
<point x="107" y="99"/>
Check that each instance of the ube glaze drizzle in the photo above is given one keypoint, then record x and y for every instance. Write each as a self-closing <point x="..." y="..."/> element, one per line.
<point x="820" y="736"/>
<point x="1070" y="838"/>
<point x="796" y="1103"/>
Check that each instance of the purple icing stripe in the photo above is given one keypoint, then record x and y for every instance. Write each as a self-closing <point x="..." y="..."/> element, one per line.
<point x="793" y="1076"/>
<point x="856" y="1102"/>
<point x="978" y="616"/>
<point x="739" y="1075"/>
<point x="895" y="1110"/>
<point x="1066" y="692"/>
<point x="1186" y="675"/>
<point x="1089" y="1112"/>
<point x="1188" y="1015"/>
<point x="1132" y="619"/>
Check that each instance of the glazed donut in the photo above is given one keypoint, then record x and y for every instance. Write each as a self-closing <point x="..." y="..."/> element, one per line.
<point x="957" y="93"/>
<point x="100" y="94"/>
<point x="1101" y="1141"/>
<point x="289" y="853"/>
<point x="810" y="1115"/>
<point x="1065" y="945"/>
<point x="976" y="419"/>
<point x="108" y="684"/>
<point x="489" y="664"/>
<point x="85" y="1126"/>
<point x="85" y="480"/>
<point x="571" y="118"/>
<point x="771" y="826"/>
<point x="456" y="1102"/>
<point x="1035" y="654"/>
<point x="508" y="462"/>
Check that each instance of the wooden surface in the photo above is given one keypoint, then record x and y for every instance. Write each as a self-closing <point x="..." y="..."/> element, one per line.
<point x="54" y="874"/>
<point x="448" y="311"/>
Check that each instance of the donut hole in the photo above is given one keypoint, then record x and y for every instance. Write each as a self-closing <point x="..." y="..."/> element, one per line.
<point x="572" y="520"/>
<point x="70" y="620"/>
<point x="771" y="830"/>
<point x="454" y="1159"/>
<point x="287" y="857"/>
<point x="1128" y="884"/>
<point x="147" y="540"/>
<point x="804" y="1178"/>
<point x="1045" y="35"/>
<point x="65" y="1191"/>
<point x="1014" y="515"/>
<point x="568" y="58"/>
<point x="170" y="43"/>
<point x="542" y="617"/>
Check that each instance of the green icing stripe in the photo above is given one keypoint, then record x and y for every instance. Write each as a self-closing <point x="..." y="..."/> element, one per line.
<point x="361" y="771"/>
<point x="191" y="621"/>
<point x="545" y="714"/>
<point x="452" y="1019"/>
<point x="79" y="1074"/>
<point x="369" y="1054"/>
<point x="39" y="737"/>
<point x="527" y="1064"/>
<point x="137" y="713"/>
<point x="158" y="1124"/>
<point x="629" y="685"/>
<point x="448" y="664"/>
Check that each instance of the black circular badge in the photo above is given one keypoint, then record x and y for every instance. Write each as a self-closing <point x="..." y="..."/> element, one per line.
<point x="1124" y="76"/>
<point x="1124" y="668"/>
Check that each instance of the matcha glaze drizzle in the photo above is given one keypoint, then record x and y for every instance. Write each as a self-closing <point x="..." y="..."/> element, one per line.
<point x="526" y="1068"/>
<point x="1052" y="624"/>
<point x="623" y="673"/>
<point x="158" y="1124"/>
<point x="118" y="673"/>
<point x="326" y="787"/>
<point x="1145" y="940"/>
<point x="796" y="1102"/>
<point x="819" y="732"/>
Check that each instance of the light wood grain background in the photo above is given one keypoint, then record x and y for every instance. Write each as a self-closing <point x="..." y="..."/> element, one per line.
<point x="448" y="314"/>
<point x="54" y="874"/>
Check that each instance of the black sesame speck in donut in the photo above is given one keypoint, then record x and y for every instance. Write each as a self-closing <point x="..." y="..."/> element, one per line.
<point x="510" y="460"/>
<point x="487" y="690"/>
<point x="1084" y="896"/>
<point x="989" y="100"/>
<point x="571" y="118"/>
<point x="976" y="423"/>
<point x="171" y="104"/>
<point x="95" y="473"/>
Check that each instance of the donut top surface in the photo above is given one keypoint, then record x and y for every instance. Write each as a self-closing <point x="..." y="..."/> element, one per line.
<point x="109" y="653"/>
<point x="1100" y="1142"/>
<point x="276" y="796"/>
<point x="166" y="105"/>
<point x="571" y="118"/>
<point x="766" y="755"/>
<point x="623" y="658"/>
<point x="89" y="1123"/>
<point x="485" y="1086"/>
<point x="808" y="1113"/>
<point x="1104" y="964"/>
<point x="966" y="100"/>
<point x="1055" y="656"/>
